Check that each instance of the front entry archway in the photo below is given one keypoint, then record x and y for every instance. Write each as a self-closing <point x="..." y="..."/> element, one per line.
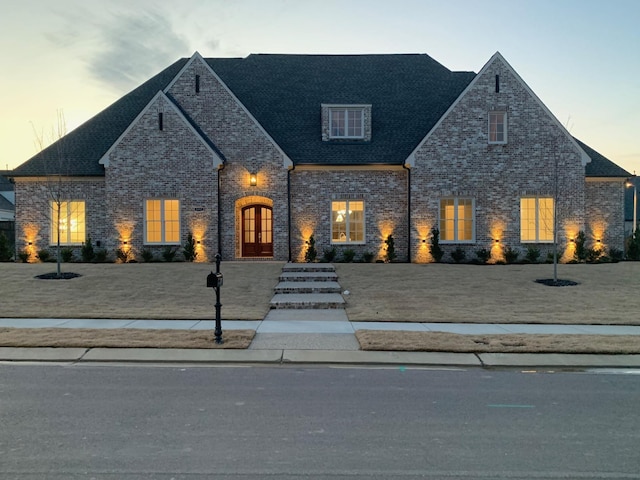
<point x="257" y="231"/>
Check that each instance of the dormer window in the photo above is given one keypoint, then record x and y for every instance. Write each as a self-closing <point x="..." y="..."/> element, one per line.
<point x="346" y="122"/>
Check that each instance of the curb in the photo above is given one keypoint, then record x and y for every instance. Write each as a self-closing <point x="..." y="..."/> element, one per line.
<point x="323" y="357"/>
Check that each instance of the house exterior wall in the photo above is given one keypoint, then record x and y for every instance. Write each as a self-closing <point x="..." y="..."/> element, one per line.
<point x="384" y="192"/>
<point x="247" y="149"/>
<point x="456" y="160"/>
<point x="605" y="213"/>
<point x="33" y="220"/>
<point x="171" y="163"/>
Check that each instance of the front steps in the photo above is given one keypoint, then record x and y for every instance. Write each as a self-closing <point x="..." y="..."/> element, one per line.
<point x="307" y="286"/>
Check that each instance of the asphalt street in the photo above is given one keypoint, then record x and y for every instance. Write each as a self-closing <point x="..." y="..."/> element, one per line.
<point x="190" y="422"/>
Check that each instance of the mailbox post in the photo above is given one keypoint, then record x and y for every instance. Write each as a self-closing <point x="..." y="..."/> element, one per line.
<point x="214" y="280"/>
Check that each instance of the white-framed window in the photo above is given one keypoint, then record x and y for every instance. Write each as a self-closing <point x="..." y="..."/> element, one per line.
<point x="347" y="221"/>
<point x="497" y="127"/>
<point x="162" y="221"/>
<point x="536" y="219"/>
<point x="69" y="215"/>
<point x="346" y="122"/>
<point x="457" y="220"/>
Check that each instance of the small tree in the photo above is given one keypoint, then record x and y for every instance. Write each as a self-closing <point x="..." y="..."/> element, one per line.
<point x="436" y="251"/>
<point x="581" y="252"/>
<point x="633" y="245"/>
<point x="87" y="250"/>
<point x="311" y="253"/>
<point x="189" y="249"/>
<point x="391" y="249"/>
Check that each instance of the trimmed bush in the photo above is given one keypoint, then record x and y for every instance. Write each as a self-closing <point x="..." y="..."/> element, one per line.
<point x="458" y="255"/>
<point x="311" y="253"/>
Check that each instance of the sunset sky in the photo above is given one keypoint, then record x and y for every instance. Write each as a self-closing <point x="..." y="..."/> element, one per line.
<point x="581" y="57"/>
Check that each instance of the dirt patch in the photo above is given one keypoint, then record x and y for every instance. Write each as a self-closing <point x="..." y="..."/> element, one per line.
<point x="508" y="343"/>
<point x="122" y="338"/>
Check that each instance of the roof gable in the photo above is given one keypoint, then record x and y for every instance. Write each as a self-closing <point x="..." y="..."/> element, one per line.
<point x="497" y="57"/>
<point x="408" y="94"/>
<point x="217" y="157"/>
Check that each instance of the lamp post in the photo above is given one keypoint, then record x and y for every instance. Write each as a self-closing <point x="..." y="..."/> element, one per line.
<point x="629" y="183"/>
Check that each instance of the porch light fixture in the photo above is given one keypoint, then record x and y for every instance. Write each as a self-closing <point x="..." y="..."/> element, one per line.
<point x="253" y="179"/>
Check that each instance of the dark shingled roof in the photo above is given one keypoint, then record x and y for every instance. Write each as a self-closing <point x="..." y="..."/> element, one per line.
<point x="408" y="94"/>
<point x="84" y="146"/>
<point x="600" y="166"/>
<point x="6" y="204"/>
<point x="5" y="183"/>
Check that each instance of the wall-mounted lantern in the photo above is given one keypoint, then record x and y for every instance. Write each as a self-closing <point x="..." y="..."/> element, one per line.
<point x="253" y="179"/>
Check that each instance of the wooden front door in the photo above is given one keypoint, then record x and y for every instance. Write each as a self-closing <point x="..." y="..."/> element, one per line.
<point x="257" y="231"/>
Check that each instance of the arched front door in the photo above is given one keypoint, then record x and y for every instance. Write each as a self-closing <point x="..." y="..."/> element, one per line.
<point x="257" y="231"/>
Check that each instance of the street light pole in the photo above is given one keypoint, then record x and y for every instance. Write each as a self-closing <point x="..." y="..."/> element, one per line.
<point x="629" y="183"/>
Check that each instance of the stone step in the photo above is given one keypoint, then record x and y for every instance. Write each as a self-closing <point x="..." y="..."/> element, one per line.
<point x="308" y="267"/>
<point x="308" y="277"/>
<point x="307" y="300"/>
<point x="308" y="287"/>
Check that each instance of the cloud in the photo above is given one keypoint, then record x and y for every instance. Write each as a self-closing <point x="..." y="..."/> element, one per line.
<point x="131" y="47"/>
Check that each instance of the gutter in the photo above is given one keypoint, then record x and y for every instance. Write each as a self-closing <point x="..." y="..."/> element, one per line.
<point x="293" y="167"/>
<point x="408" y="169"/>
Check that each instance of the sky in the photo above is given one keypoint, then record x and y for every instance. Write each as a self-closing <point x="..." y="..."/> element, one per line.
<point x="580" y="57"/>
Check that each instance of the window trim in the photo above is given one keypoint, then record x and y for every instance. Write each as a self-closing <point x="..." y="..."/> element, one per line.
<point x="346" y="109"/>
<point x="163" y="229"/>
<point x="455" y="220"/>
<point x="347" y="231"/>
<point x="504" y="123"/>
<point x="537" y="219"/>
<point x="54" y="231"/>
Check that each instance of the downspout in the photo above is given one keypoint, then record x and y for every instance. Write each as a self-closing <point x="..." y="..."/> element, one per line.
<point x="408" y="169"/>
<point x="293" y="167"/>
<point x="220" y="168"/>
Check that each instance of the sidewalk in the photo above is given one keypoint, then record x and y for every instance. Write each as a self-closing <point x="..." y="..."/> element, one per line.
<point x="322" y="340"/>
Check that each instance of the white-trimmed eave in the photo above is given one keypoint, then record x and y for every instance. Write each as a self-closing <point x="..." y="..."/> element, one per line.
<point x="217" y="161"/>
<point x="287" y="163"/>
<point x="410" y="161"/>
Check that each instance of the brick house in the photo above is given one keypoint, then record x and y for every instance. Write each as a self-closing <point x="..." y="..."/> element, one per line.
<point x="254" y="155"/>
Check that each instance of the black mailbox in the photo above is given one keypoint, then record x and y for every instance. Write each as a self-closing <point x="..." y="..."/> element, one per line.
<point x="214" y="280"/>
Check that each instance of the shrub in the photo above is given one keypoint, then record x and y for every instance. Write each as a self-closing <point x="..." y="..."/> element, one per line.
<point x="391" y="249"/>
<point x="532" y="255"/>
<point x="458" y="255"/>
<point x="348" y="255"/>
<point x="66" y="254"/>
<point x="483" y="255"/>
<point x="189" y="249"/>
<point x="329" y="254"/>
<point x="580" y="253"/>
<point x="101" y="255"/>
<point x="511" y="255"/>
<point x="616" y="255"/>
<point x="436" y="251"/>
<point x="24" y="256"/>
<point x="367" y="257"/>
<point x="169" y="253"/>
<point x="147" y="255"/>
<point x="123" y="255"/>
<point x="594" y="254"/>
<point x="6" y="254"/>
<point x="311" y="253"/>
<point x="43" y="255"/>
<point x="87" y="252"/>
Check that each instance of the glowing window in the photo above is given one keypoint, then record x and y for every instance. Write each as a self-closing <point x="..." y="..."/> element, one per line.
<point x="536" y="219"/>
<point x="347" y="221"/>
<point x="68" y="220"/>
<point x="457" y="220"/>
<point x="346" y="122"/>
<point x="498" y="127"/>
<point x="162" y="221"/>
